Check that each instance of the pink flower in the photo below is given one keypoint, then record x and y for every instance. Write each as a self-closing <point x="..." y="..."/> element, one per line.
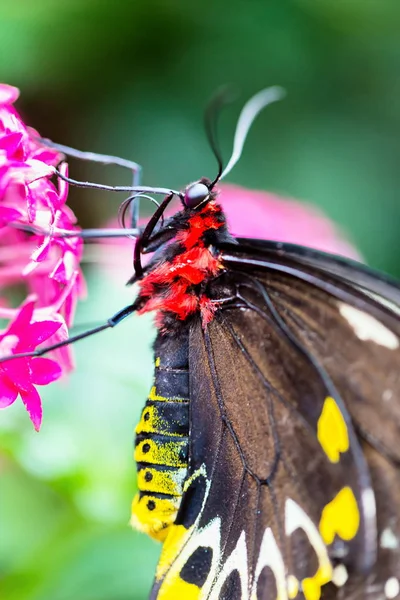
<point x="8" y="94"/>
<point x="48" y="265"/>
<point x="268" y="216"/>
<point x="20" y="376"/>
<point x="8" y="214"/>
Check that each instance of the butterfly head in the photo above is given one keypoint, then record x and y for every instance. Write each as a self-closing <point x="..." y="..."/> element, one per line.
<point x="198" y="193"/>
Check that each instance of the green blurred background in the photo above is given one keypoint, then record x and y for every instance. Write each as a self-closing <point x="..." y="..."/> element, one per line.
<point x="132" y="78"/>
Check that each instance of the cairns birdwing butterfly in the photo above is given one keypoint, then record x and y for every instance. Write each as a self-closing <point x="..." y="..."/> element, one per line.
<point x="268" y="450"/>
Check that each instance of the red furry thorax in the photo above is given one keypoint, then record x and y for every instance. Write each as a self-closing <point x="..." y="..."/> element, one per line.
<point x="169" y="286"/>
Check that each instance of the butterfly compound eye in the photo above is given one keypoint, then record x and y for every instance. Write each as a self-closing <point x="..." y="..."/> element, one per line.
<point x="195" y="194"/>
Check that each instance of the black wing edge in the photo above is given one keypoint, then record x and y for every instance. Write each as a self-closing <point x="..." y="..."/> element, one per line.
<point x="264" y="252"/>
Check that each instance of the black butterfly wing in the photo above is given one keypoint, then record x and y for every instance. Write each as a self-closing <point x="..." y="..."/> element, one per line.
<point x="280" y="498"/>
<point x="346" y="316"/>
<point x="285" y="255"/>
<point x="348" y="319"/>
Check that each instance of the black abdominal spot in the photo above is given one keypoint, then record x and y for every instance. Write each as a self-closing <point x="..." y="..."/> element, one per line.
<point x="198" y="566"/>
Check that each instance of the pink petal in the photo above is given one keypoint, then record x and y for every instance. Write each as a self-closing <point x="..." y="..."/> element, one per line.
<point x="8" y="93"/>
<point x="59" y="272"/>
<point x="8" y="214"/>
<point x="18" y="372"/>
<point x="42" y="252"/>
<point x="11" y="143"/>
<point x="46" y="155"/>
<point x="71" y="302"/>
<point x="30" y="204"/>
<point x="37" y="169"/>
<point x="37" y="333"/>
<point x="65" y="357"/>
<point x="33" y="405"/>
<point x="52" y="200"/>
<point x="14" y="191"/>
<point x="8" y="392"/>
<point x="23" y="319"/>
<point x="44" y="371"/>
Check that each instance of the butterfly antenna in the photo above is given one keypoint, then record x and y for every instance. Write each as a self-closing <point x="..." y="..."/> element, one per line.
<point x="104" y="159"/>
<point x="246" y="118"/>
<point x="223" y="97"/>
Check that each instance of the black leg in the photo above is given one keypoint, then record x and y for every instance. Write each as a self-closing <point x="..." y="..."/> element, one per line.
<point x="104" y="159"/>
<point x="84" y="233"/>
<point x="112" y="322"/>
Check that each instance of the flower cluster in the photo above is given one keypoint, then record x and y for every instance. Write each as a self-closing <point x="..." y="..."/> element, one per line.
<point x="46" y="265"/>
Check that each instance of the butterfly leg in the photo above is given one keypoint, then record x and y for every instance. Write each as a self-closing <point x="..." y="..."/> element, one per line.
<point x="85" y="234"/>
<point x="111" y="322"/>
<point x="104" y="159"/>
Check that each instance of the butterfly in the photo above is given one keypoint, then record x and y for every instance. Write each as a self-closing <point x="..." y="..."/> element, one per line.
<point x="268" y="449"/>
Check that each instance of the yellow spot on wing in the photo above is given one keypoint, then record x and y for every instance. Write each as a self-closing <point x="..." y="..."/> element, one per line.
<point x="178" y="589"/>
<point x="173" y="587"/>
<point x="174" y="541"/>
<point x="311" y="586"/>
<point x="157" y="362"/>
<point x="340" y="517"/>
<point x="332" y="430"/>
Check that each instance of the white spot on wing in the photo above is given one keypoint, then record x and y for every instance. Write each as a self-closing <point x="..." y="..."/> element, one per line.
<point x="270" y="556"/>
<point x="210" y="536"/>
<point x="367" y="327"/>
<point x="387" y="395"/>
<point x="368" y="502"/>
<point x="237" y="560"/>
<point x="369" y="509"/>
<point x="392" y="588"/>
<point x="295" y="518"/>
<point x="292" y="586"/>
<point x="340" y="575"/>
<point x="389" y="540"/>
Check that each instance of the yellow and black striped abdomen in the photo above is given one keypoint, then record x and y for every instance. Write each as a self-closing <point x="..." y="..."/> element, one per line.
<point x="161" y="446"/>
